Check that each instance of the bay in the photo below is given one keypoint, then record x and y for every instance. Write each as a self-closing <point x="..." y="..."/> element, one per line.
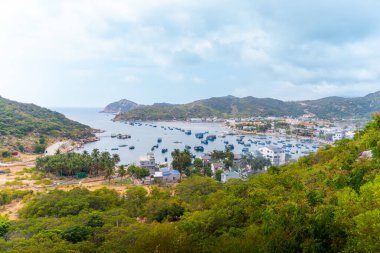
<point x="144" y="137"/>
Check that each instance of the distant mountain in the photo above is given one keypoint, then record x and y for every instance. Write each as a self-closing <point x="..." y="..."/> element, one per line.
<point x="24" y="123"/>
<point x="230" y="106"/>
<point x="123" y="105"/>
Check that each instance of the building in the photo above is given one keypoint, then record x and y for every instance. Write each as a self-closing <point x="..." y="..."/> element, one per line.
<point x="149" y="162"/>
<point x="216" y="166"/>
<point x="166" y="175"/>
<point x="206" y="159"/>
<point x="337" y="137"/>
<point x="276" y="155"/>
<point x="196" y="120"/>
<point x="237" y="160"/>
<point x="225" y="176"/>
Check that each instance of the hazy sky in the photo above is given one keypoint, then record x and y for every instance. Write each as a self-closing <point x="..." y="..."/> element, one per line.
<point x="92" y="52"/>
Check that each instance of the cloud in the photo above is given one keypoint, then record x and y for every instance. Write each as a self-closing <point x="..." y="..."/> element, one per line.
<point x="289" y="50"/>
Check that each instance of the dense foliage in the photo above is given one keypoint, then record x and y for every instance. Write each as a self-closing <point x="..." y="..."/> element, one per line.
<point x="75" y="164"/>
<point x="230" y="106"/>
<point x="326" y="202"/>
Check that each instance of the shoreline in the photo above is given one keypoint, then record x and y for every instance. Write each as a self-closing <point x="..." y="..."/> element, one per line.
<point x="296" y="137"/>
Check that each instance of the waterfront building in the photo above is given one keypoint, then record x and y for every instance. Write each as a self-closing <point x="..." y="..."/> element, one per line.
<point x="149" y="162"/>
<point x="276" y="155"/>
<point x="166" y="175"/>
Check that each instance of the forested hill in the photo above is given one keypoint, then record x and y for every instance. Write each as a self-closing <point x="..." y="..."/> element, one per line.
<point x="325" y="202"/>
<point x="230" y="106"/>
<point x="19" y="120"/>
<point x="123" y="105"/>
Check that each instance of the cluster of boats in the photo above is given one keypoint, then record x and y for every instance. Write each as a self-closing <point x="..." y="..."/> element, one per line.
<point x="121" y="136"/>
<point x="246" y="143"/>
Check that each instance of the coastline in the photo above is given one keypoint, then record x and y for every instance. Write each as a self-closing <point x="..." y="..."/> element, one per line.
<point x="296" y="137"/>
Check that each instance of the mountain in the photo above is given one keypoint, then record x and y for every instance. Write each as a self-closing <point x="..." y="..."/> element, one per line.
<point x="24" y="123"/>
<point x="230" y="106"/>
<point x="123" y="105"/>
<point x="339" y="107"/>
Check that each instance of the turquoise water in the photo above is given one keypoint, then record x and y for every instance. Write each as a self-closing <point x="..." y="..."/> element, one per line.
<point x="145" y="136"/>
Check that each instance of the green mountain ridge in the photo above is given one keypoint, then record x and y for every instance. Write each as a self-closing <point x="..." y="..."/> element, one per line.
<point x="230" y="106"/>
<point x="26" y="122"/>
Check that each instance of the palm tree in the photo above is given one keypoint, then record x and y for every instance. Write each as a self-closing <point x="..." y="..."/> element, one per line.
<point x="121" y="172"/>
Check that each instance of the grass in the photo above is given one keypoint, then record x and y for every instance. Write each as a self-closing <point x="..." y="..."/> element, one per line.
<point x="15" y="182"/>
<point x="125" y="181"/>
<point x="43" y="182"/>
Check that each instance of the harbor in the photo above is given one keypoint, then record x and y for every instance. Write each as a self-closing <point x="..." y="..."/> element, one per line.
<point x="131" y="140"/>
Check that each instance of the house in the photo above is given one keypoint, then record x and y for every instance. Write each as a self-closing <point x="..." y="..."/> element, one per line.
<point x="149" y="162"/>
<point x="206" y="159"/>
<point x="216" y="166"/>
<point x="237" y="160"/>
<point x="166" y="175"/>
<point x="229" y="175"/>
<point x="196" y="120"/>
<point x="276" y="155"/>
<point x="337" y="137"/>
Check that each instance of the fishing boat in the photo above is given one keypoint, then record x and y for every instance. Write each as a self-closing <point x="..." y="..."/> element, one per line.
<point x="204" y="142"/>
<point x="230" y="146"/>
<point x="199" y="148"/>
<point x="199" y="135"/>
<point x="211" y="137"/>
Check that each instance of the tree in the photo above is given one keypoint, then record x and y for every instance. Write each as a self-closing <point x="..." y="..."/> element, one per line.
<point x="218" y="175"/>
<point x="198" y="163"/>
<point x="121" y="172"/>
<point x="95" y="220"/>
<point x="138" y="172"/>
<point x="4" y="226"/>
<point x="259" y="163"/>
<point x="76" y="233"/>
<point x="181" y="160"/>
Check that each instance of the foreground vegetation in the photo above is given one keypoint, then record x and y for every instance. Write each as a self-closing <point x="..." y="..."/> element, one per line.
<point x="325" y="202"/>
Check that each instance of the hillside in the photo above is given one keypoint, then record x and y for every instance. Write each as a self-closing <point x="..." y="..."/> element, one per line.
<point x="325" y="202"/>
<point x="123" y="105"/>
<point x="23" y="124"/>
<point x="230" y="106"/>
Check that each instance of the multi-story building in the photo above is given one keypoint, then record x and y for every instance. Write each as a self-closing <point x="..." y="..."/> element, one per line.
<point x="276" y="155"/>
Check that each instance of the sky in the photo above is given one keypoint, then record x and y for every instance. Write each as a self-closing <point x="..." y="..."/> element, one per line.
<point x="89" y="53"/>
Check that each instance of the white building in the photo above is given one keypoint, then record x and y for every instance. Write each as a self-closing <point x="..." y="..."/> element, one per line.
<point x="276" y="155"/>
<point x="337" y="137"/>
<point x="216" y="166"/>
<point x="196" y="120"/>
<point x="225" y="176"/>
<point x="149" y="162"/>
